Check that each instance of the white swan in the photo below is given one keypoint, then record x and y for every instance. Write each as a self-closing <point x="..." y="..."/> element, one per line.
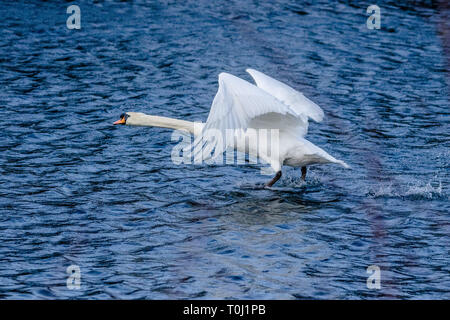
<point x="245" y="109"/>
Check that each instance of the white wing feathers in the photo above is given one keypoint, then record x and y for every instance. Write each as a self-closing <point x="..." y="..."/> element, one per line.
<point x="238" y="104"/>
<point x="238" y="101"/>
<point x="292" y="98"/>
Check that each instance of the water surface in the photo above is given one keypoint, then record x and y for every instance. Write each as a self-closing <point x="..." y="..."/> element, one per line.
<point x="75" y="190"/>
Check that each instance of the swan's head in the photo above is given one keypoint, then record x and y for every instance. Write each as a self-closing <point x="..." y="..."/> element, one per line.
<point x="123" y="119"/>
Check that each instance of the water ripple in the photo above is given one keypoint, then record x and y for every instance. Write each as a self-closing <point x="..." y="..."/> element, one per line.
<point x="75" y="190"/>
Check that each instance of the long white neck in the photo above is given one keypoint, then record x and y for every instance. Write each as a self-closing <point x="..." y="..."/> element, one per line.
<point x="145" y="120"/>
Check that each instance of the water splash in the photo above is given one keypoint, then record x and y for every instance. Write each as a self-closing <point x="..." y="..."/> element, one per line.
<point x="412" y="191"/>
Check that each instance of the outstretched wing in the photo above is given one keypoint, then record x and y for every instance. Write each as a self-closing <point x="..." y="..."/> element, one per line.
<point x="296" y="101"/>
<point x="238" y="104"/>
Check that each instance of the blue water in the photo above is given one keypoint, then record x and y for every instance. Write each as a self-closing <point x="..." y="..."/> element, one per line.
<point x="76" y="190"/>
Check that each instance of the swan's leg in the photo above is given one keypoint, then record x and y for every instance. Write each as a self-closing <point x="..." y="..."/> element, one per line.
<point x="303" y="173"/>
<point x="275" y="179"/>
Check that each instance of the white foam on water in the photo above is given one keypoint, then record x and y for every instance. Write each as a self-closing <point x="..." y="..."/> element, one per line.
<point x="412" y="190"/>
<point x="427" y="191"/>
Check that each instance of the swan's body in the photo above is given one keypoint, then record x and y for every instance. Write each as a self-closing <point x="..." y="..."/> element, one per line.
<point x="244" y="110"/>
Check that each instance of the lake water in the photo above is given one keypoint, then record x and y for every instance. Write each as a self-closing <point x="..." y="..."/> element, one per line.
<point x="76" y="190"/>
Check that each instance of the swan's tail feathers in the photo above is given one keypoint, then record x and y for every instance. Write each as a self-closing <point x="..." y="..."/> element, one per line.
<point x="342" y="163"/>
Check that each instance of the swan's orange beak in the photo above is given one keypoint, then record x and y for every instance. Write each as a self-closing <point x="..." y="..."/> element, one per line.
<point x="120" y="121"/>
